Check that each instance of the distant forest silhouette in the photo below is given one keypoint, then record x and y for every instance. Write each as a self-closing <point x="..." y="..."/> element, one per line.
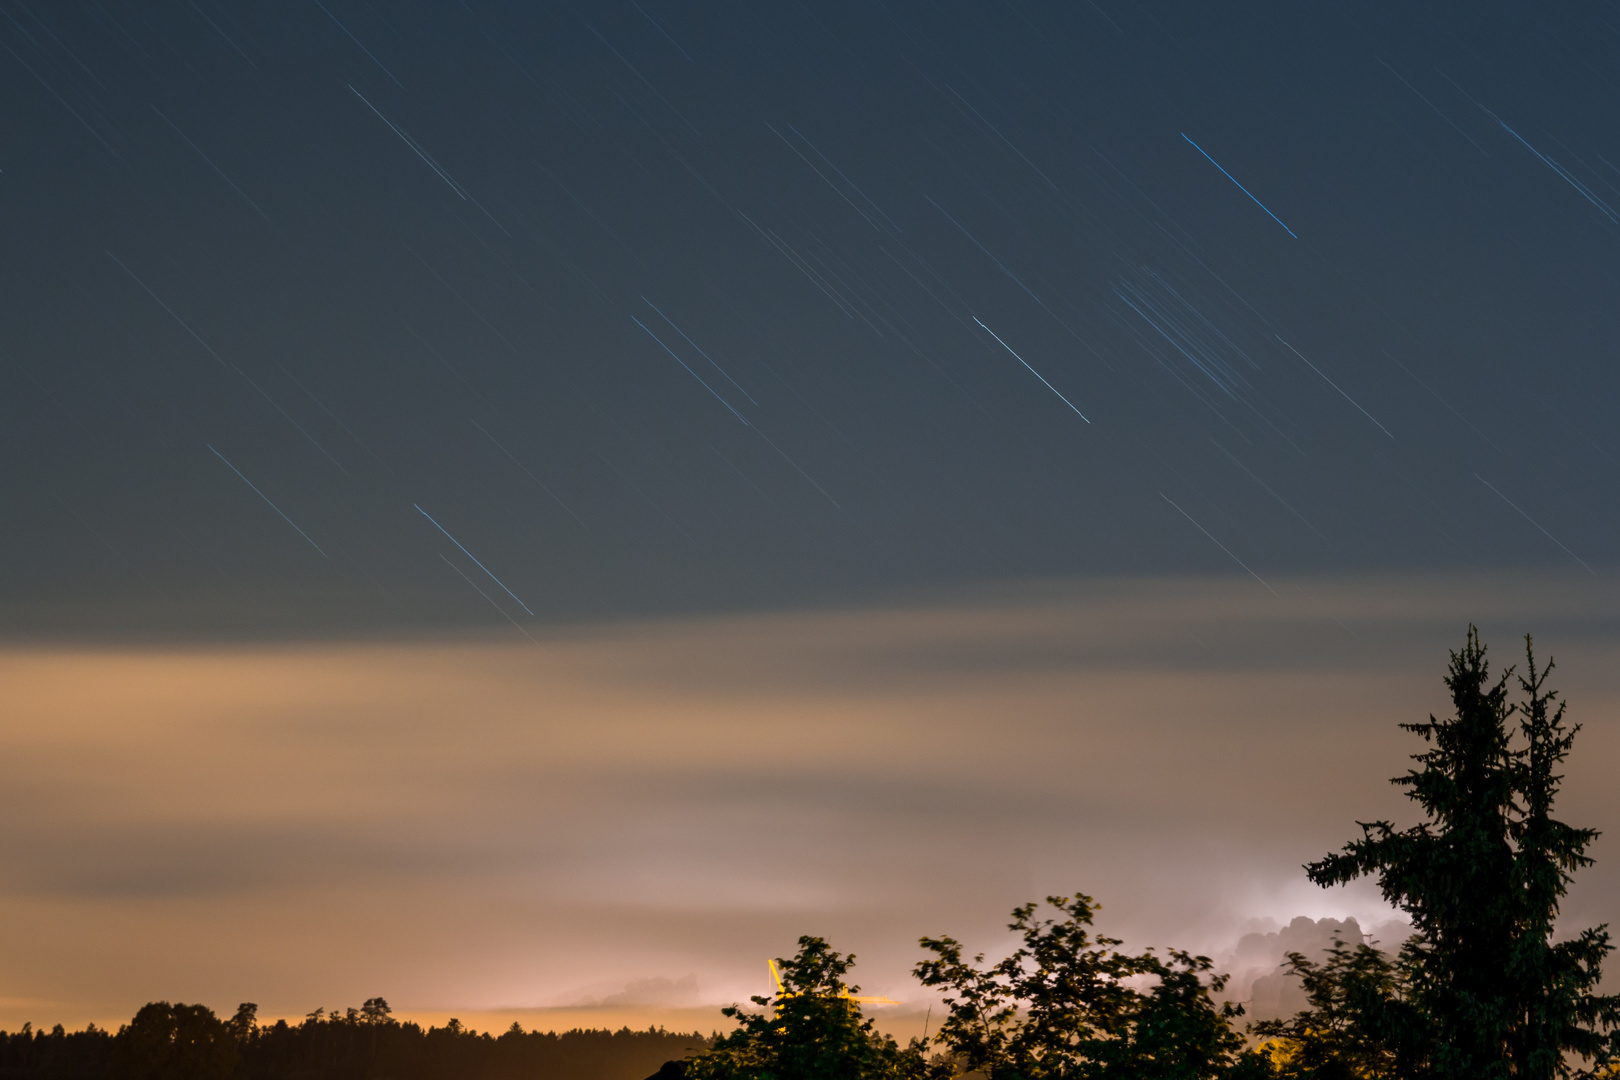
<point x="190" y="1042"/>
<point x="1479" y="991"/>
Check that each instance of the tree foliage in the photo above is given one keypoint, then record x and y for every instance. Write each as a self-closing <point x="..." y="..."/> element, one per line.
<point x="174" y="1042"/>
<point x="1484" y="991"/>
<point x="1068" y="1005"/>
<point x="811" y="1031"/>
<point x="1351" y="994"/>
<point x="1480" y="991"/>
<point x="351" y="1044"/>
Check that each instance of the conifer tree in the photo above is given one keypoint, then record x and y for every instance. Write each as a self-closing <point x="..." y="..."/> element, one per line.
<point x="1556" y="1005"/>
<point x="1487" y="993"/>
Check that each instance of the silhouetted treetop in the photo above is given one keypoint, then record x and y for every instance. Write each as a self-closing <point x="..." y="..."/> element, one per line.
<point x="1483" y="990"/>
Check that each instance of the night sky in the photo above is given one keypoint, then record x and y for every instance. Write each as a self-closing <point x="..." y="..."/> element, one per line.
<point x="474" y="313"/>
<point x="514" y="501"/>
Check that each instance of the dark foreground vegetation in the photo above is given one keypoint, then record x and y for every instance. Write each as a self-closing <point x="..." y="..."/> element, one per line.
<point x="1480" y="991"/>
<point x="189" y="1042"/>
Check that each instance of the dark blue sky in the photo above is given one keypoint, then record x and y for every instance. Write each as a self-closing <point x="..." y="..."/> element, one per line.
<point x="659" y="307"/>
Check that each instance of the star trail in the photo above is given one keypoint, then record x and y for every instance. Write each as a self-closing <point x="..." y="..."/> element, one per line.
<point x="503" y="503"/>
<point x="717" y="283"/>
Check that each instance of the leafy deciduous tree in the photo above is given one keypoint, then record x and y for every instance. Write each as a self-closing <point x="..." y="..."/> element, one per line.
<point x="1352" y="994"/>
<point x="813" y="1030"/>
<point x="1065" y="1006"/>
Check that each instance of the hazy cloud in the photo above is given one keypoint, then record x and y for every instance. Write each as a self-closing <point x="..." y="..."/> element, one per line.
<point x="628" y="816"/>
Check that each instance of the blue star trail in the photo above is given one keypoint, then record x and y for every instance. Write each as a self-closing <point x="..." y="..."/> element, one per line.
<point x="1240" y="187"/>
<point x="267" y="501"/>
<point x="678" y="309"/>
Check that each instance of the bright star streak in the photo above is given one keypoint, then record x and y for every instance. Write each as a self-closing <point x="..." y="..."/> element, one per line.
<point x="1333" y="384"/>
<point x="689" y="371"/>
<point x="410" y="142"/>
<point x="488" y="598"/>
<point x="266" y="498"/>
<point x="1565" y="174"/>
<point x="1032" y="371"/>
<point x="356" y="41"/>
<point x="699" y="348"/>
<point x="1585" y="191"/>
<point x="473" y="557"/>
<point x="1220" y="545"/>
<point x="1536" y="523"/>
<point x="1240" y="187"/>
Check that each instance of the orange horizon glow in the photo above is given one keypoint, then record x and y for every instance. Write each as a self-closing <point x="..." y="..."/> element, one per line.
<point x="484" y="822"/>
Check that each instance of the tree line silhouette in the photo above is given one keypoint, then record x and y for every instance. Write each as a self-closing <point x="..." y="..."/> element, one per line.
<point x="189" y="1042"/>
<point x="1481" y="990"/>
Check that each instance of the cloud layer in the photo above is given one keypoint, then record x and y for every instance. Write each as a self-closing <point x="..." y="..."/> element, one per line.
<point x="627" y="813"/>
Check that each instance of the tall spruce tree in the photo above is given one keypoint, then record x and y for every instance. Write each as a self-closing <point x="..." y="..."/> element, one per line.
<point x="1555" y="983"/>
<point x="1489" y="993"/>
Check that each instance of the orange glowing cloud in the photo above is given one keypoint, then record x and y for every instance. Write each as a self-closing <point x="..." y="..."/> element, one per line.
<point x="481" y="824"/>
